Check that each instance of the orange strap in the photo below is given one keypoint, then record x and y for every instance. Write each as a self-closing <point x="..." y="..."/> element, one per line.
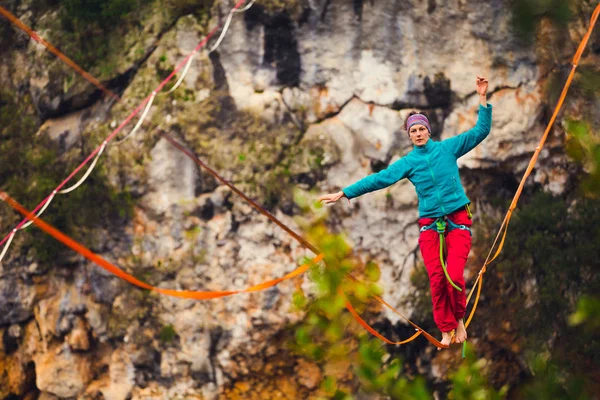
<point x="56" y="52"/>
<point x="187" y="294"/>
<point x="377" y="334"/>
<point x="532" y="162"/>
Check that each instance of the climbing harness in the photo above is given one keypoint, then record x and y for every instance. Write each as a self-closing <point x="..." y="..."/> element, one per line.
<point x="442" y="226"/>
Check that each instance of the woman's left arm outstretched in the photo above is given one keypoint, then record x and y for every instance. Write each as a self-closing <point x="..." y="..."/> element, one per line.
<point x="467" y="141"/>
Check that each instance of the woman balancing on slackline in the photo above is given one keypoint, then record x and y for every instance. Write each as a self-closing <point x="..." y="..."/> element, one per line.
<point x="443" y="206"/>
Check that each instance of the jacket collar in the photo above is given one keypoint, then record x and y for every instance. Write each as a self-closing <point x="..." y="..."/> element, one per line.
<point x="426" y="148"/>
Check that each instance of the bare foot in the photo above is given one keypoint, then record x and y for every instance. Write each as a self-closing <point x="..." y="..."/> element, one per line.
<point x="461" y="332"/>
<point x="446" y="338"/>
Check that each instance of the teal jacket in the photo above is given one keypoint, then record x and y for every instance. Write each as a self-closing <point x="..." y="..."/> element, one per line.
<point x="432" y="169"/>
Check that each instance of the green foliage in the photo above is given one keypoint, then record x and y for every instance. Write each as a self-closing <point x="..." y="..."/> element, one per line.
<point x="587" y="313"/>
<point x="583" y="145"/>
<point x="555" y="248"/>
<point x="551" y="381"/>
<point x="548" y="263"/>
<point x="167" y="334"/>
<point x="279" y="5"/>
<point x="351" y="358"/>
<point x="379" y="377"/>
<point x="188" y="6"/>
<point x="103" y="13"/>
<point x="469" y="383"/>
<point x="587" y="82"/>
<point x="527" y="15"/>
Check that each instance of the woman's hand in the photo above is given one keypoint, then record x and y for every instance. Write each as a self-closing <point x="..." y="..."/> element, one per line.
<point x="482" y="87"/>
<point x="332" y="198"/>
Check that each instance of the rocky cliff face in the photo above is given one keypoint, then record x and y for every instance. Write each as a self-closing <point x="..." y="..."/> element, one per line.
<point x="310" y="96"/>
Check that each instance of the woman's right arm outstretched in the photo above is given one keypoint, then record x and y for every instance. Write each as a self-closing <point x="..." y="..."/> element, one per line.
<point x="380" y="180"/>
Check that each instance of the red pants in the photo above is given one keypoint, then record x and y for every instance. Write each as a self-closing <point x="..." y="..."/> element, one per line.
<point x="448" y="303"/>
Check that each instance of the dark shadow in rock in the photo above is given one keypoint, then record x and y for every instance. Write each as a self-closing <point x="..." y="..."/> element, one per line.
<point x="377" y="165"/>
<point x="206" y="183"/>
<point x="10" y="343"/>
<point x="431" y="6"/>
<point x="280" y="46"/>
<point x="219" y="75"/>
<point x="205" y="211"/>
<point x="436" y="121"/>
<point x="271" y="296"/>
<point x="325" y="10"/>
<point x="438" y="92"/>
<point x="281" y="49"/>
<point x="227" y="106"/>
<point x="305" y="16"/>
<point x="358" y="9"/>
<point x="14" y="304"/>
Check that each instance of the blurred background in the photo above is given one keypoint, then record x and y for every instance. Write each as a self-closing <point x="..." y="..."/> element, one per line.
<point x="301" y="98"/>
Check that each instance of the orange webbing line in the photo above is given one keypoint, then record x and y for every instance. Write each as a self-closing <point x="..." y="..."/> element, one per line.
<point x="55" y="51"/>
<point x="428" y="336"/>
<point x="479" y="285"/>
<point x="420" y="330"/>
<point x="532" y="162"/>
<point x="302" y="241"/>
<point x="187" y="294"/>
<point x="373" y="331"/>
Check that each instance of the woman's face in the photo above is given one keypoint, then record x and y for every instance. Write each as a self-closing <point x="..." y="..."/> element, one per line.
<point x="419" y="135"/>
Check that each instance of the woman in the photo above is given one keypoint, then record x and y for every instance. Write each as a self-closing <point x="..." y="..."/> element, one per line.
<point x="443" y="208"/>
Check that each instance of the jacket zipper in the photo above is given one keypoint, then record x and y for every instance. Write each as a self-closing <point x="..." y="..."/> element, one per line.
<point x="436" y="187"/>
<point x="455" y="188"/>
<point x="420" y="195"/>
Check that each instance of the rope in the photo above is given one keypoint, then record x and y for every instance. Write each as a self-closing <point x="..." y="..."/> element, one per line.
<point x="89" y="171"/>
<point x="56" y="52"/>
<point x="214" y="47"/>
<point x="442" y="241"/>
<point x="141" y="120"/>
<point x="41" y="210"/>
<point x="113" y="269"/>
<point x="7" y="245"/>
<point x="122" y="125"/>
<point x="185" y="71"/>
<point x="226" y="27"/>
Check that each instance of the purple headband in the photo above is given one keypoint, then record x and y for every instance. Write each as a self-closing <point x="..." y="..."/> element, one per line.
<point x="417" y="119"/>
